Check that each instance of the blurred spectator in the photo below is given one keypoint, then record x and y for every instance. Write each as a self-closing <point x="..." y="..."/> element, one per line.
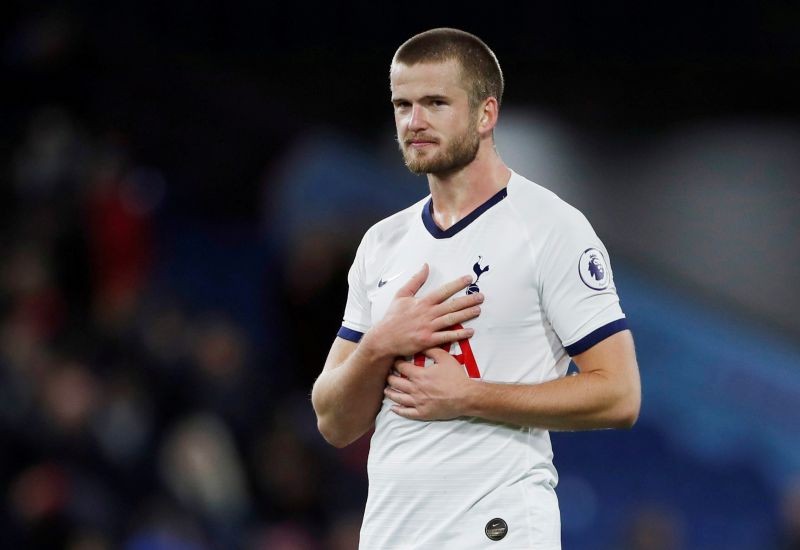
<point x="89" y="540"/>
<point x="200" y="465"/>
<point x="789" y="538"/>
<point x="344" y="534"/>
<point x="163" y="526"/>
<point x="52" y="161"/>
<point x="288" y="473"/>
<point x="654" y="527"/>
<point x="119" y="221"/>
<point x="284" y="536"/>
<point x="70" y="395"/>
<point x="124" y="425"/>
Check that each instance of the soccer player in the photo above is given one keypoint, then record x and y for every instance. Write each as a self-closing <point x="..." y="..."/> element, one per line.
<point x="462" y="316"/>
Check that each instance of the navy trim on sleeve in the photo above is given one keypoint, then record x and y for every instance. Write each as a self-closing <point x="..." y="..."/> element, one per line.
<point x="350" y="334"/>
<point x="596" y="336"/>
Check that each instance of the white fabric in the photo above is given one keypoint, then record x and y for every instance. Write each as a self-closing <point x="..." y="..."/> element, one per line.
<point x="437" y="484"/>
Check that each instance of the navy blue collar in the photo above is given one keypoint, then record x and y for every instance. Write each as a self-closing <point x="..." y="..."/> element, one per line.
<point x="438" y="233"/>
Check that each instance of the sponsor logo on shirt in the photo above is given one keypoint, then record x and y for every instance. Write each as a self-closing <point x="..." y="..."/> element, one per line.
<point x="496" y="529"/>
<point x="383" y="281"/>
<point x="478" y="270"/>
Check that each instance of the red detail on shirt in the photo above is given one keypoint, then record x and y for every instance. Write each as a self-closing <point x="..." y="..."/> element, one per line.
<point x="466" y="357"/>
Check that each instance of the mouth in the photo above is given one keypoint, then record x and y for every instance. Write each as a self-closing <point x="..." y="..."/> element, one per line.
<point x="418" y="143"/>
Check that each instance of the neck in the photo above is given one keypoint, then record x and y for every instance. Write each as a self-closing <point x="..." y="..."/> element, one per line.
<point x="458" y="193"/>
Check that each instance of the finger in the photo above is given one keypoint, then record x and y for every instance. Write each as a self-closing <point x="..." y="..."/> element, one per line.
<point x="457" y="304"/>
<point x="405" y="369"/>
<point x="402" y="399"/>
<point x="402" y="361"/>
<point x="406" y="412"/>
<point x="399" y="383"/>
<point x="449" y="336"/>
<point x="414" y="283"/>
<point x="448" y="289"/>
<point x="455" y="318"/>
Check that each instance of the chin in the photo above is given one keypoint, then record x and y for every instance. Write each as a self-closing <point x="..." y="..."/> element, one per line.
<point x="421" y="166"/>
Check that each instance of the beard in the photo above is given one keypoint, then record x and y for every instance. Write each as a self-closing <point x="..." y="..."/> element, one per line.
<point x="459" y="153"/>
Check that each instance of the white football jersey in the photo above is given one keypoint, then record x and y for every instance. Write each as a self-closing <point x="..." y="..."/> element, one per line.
<point x="470" y="483"/>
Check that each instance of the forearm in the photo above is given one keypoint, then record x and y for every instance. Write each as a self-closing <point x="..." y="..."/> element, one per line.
<point x="348" y="394"/>
<point x="582" y="402"/>
<point x="346" y="398"/>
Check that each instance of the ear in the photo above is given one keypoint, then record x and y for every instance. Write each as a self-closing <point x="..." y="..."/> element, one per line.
<point x="488" y="114"/>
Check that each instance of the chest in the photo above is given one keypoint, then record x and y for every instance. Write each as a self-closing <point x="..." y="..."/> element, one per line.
<point x="497" y="256"/>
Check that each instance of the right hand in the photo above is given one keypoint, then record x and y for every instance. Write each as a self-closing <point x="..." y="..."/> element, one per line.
<point x="414" y="324"/>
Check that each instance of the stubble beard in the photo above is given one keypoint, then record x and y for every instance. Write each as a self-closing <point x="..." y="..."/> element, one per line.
<point x="461" y="151"/>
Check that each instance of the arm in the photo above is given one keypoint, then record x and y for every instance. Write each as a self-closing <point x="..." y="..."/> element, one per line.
<point x="605" y="394"/>
<point x="348" y="394"/>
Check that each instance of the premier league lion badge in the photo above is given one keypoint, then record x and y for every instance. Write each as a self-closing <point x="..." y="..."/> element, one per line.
<point x="593" y="269"/>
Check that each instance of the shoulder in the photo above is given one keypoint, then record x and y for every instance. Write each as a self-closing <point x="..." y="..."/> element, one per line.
<point x="539" y="208"/>
<point x="394" y="227"/>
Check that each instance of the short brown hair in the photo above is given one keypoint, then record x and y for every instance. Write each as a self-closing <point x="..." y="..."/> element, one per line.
<point x="479" y="66"/>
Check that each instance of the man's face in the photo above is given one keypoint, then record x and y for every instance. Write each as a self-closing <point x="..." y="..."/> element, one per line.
<point x="436" y="128"/>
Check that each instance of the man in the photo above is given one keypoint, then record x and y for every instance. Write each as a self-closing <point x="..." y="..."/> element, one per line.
<point x="463" y="312"/>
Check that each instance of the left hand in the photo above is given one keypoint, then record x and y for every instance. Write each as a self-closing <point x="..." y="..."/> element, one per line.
<point x="433" y="393"/>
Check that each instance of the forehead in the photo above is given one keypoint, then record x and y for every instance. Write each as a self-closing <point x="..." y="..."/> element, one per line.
<point x="424" y="79"/>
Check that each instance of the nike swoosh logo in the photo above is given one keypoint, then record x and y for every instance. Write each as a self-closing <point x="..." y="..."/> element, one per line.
<point x="382" y="282"/>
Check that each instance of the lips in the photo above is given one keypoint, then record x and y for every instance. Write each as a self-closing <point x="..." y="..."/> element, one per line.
<point x="420" y="142"/>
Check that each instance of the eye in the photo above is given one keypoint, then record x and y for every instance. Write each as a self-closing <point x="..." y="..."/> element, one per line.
<point x="400" y="105"/>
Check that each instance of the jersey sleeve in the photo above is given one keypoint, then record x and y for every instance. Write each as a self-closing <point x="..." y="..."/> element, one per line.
<point x="577" y="286"/>
<point x="357" y="312"/>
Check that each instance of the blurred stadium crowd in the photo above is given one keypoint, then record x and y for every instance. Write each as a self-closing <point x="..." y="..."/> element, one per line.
<point x="156" y="347"/>
<point x="130" y="418"/>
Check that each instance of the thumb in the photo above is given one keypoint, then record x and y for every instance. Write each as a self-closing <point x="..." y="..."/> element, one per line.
<point x="414" y="283"/>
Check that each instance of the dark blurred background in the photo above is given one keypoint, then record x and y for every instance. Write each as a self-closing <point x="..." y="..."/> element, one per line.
<point x="182" y="188"/>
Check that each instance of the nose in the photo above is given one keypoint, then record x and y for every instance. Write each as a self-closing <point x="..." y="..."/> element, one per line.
<point x="417" y="120"/>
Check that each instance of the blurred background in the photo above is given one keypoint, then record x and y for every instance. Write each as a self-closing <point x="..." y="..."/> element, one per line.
<point x="182" y="188"/>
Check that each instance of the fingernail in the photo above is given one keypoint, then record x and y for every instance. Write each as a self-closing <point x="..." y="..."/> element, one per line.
<point x="466" y="279"/>
<point x="480" y="297"/>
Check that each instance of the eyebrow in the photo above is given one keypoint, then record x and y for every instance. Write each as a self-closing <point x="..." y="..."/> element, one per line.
<point x="434" y="97"/>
